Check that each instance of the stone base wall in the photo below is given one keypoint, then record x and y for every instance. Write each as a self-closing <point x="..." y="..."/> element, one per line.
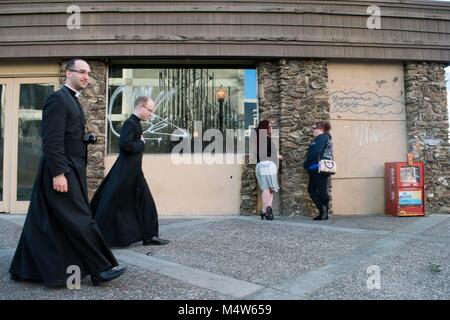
<point x="427" y="124"/>
<point x="93" y="102"/>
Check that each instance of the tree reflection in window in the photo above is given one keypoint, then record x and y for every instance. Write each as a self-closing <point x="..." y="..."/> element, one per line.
<point x="195" y="99"/>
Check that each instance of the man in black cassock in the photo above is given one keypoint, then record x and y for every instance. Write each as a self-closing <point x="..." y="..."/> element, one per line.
<point x="59" y="230"/>
<point x="123" y="205"/>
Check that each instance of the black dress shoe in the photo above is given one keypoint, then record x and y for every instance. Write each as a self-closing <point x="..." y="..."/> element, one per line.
<point x="16" y="278"/>
<point x="156" y="241"/>
<point x="107" y="275"/>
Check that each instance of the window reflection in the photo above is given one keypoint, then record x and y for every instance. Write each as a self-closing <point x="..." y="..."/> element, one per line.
<point x="32" y="99"/>
<point x="186" y="98"/>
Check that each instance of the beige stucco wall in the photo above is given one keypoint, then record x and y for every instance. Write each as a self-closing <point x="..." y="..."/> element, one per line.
<point x="191" y="189"/>
<point x="15" y="68"/>
<point x="367" y="110"/>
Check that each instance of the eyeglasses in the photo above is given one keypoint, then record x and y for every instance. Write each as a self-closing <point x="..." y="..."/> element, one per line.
<point x="81" y="71"/>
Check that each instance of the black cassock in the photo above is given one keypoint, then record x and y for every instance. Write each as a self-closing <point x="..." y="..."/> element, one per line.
<point x="59" y="230"/>
<point x="123" y="205"/>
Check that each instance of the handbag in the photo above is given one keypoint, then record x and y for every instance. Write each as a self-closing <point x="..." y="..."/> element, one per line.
<point x="328" y="165"/>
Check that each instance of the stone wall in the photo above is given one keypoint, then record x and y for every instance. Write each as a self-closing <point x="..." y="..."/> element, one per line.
<point x="93" y="101"/>
<point x="304" y="100"/>
<point x="293" y="95"/>
<point x="427" y="124"/>
<point x="269" y="108"/>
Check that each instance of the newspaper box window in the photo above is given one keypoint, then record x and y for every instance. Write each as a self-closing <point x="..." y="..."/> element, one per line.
<point x="404" y="189"/>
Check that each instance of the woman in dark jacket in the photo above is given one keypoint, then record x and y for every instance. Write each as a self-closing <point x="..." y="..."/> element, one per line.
<point x="320" y="148"/>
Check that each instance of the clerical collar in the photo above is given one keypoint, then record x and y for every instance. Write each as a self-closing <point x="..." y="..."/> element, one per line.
<point x="73" y="91"/>
<point x="136" y="116"/>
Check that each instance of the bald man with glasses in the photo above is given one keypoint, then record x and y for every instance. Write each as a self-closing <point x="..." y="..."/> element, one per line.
<point x="123" y="205"/>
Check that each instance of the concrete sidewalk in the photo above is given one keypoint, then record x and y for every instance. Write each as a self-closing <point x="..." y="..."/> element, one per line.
<point x="242" y="257"/>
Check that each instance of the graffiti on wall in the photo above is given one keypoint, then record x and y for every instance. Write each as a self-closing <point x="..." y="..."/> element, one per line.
<point x="365" y="103"/>
<point x="368" y="133"/>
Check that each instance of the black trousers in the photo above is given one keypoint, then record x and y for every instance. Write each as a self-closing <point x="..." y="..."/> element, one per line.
<point x="318" y="189"/>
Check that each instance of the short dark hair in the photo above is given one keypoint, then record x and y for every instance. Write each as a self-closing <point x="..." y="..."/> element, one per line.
<point x="141" y="99"/>
<point x="324" y="125"/>
<point x="71" y="63"/>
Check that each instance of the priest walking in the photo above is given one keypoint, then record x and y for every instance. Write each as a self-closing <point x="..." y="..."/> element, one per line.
<point x="123" y="205"/>
<point x="59" y="235"/>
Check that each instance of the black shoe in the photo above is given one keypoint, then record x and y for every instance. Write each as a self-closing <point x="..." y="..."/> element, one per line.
<point x="108" y="275"/>
<point x="323" y="214"/>
<point x="16" y="278"/>
<point x="262" y="214"/>
<point x="155" y="241"/>
<point x="269" y="214"/>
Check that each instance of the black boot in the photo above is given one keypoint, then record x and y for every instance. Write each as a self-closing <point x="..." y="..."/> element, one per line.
<point x="320" y="208"/>
<point x="323" y="213"/>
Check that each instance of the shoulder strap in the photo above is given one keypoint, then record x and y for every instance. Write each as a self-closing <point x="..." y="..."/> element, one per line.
<point x="327" y="152"/>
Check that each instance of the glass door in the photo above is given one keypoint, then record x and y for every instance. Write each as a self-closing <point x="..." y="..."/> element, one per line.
<point x="29" y="97"/>
<point x="6" y="88"/>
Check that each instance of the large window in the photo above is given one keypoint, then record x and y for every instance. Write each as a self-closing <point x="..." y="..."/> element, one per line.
<point x="189" y="100"/>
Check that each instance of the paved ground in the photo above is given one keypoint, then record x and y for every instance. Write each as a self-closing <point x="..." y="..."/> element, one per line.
<point x="244" y="258"/>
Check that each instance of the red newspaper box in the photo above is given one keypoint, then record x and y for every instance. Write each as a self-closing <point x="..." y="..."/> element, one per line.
<point x="404" y="189"/>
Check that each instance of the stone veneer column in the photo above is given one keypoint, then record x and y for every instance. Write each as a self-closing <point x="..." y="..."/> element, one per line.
<point x="93" y="101"/>
<point x="304" y="100"/>
<point x="269" y="108"/>
<point x="427" y="126"/>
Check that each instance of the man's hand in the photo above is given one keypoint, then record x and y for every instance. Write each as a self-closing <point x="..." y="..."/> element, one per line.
<point x="142" y="138"/>
<point x="60" y="183"/>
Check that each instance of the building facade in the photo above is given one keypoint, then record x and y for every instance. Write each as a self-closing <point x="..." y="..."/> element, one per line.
<point x="376" y="72"/>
